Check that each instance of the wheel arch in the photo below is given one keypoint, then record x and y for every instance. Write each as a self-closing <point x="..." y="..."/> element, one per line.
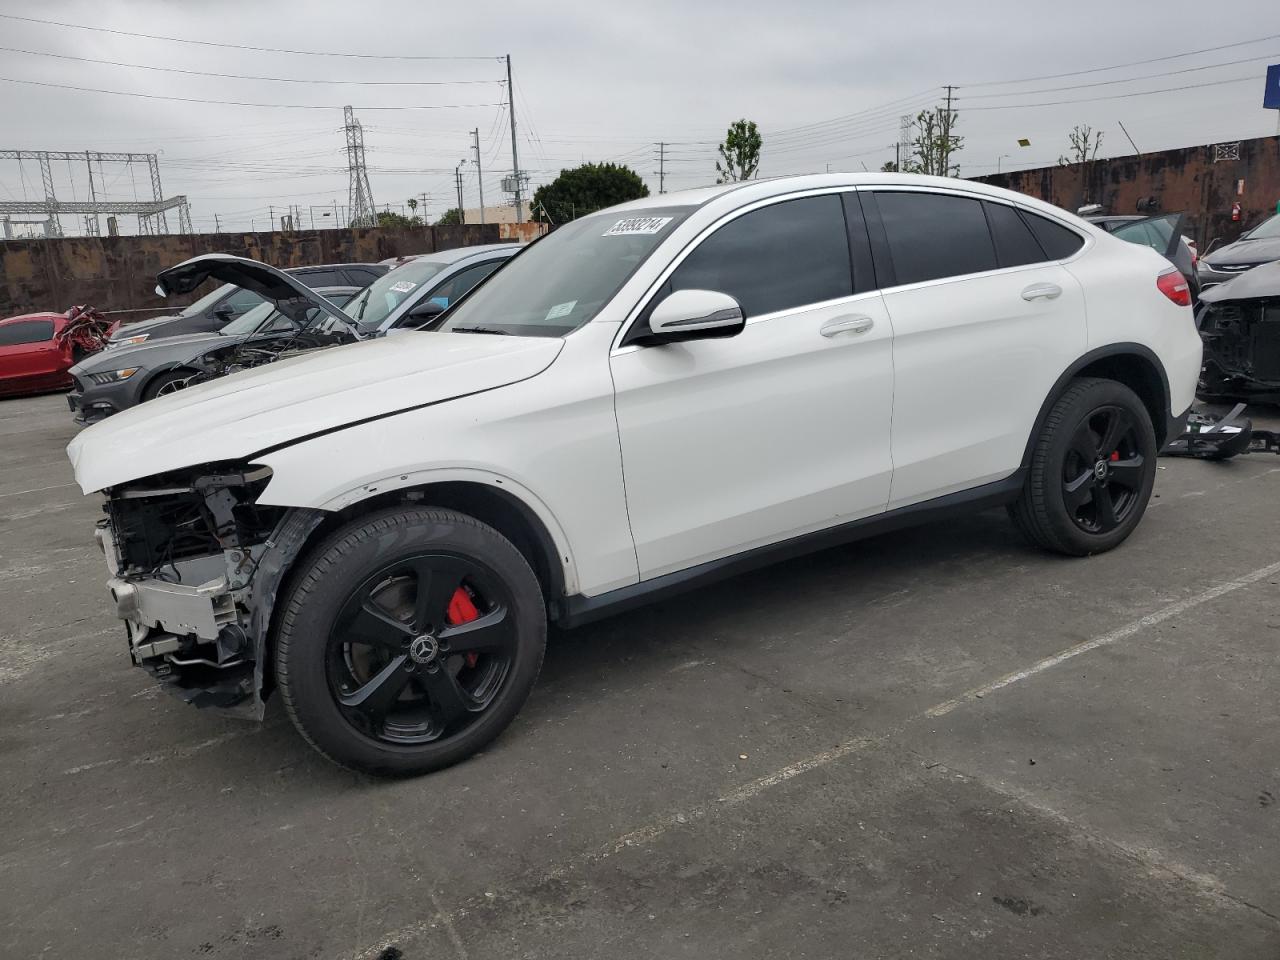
<point x="1132" y="364"/>
<point x="503" y="504"/>
<point x="155" y="375"/>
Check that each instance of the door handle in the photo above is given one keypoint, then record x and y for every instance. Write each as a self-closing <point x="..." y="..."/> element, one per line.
<point x="1042" y="291"/>
<point x="838" y="325"/>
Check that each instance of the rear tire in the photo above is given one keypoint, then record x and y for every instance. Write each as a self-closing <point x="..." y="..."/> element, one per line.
<point x="1079" y="498"/>
<point x="409" y="640"/>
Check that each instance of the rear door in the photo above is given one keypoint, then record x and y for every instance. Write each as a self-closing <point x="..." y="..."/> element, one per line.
<point x="734" y="443"/>
<point x="985" y="320"/>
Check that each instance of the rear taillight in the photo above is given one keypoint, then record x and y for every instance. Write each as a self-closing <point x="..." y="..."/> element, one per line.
<point x="1174" y="286"/>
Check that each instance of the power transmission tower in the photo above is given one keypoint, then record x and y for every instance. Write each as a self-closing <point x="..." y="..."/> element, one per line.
<point x="904" y="141"/>
<point x="475" y="134"/>
<point x="359" y="195"/>
<point x="662" y="167"/>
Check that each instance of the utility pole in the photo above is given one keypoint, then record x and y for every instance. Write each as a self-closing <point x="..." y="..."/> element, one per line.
<point x="475" y="134"/>
<point x="946" y="134"/>
<point x="515" y="157"/>
<point x="217" y="224"/>
<point x="457" y="176"/>
<point x="662" y="166"/>
<point x="423" y="198"/>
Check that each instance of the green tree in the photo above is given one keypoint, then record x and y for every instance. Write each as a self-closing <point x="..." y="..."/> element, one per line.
<point x="450" y="218"/>
<point x="388" y="218"/>
<point x="740" y="152"/>
<point x="586" y="189"/>
<point x="413" y="205"/>
<point x="934" y="144"/>
<point x="890" y="166"/>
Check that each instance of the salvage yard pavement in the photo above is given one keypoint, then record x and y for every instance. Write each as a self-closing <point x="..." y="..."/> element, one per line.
<point x="940" y="743"/>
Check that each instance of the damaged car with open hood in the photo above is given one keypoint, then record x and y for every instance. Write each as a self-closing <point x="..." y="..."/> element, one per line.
<point x="289" y="319"/>
<point x="646" y="399"/>
<point x="1239" y="322"/>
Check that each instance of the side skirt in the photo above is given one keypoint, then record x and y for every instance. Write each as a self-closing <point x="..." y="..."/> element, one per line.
<point x="576" y="610"/>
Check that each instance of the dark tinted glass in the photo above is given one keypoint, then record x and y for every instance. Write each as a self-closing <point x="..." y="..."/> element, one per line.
<point x="1058" y="241"/>
<point x="788" y="255"/>
<point x="463" y="281"/>
<point x="321" y="278"/>
<point x="359" y="276"/>
<point x="1015" y="244"/>
<point x="30" y="331"/>
<point x="932" y="235"/>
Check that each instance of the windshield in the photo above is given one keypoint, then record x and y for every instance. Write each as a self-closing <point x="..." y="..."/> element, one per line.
<point x="1266" y="230"/>
<point x="562" y="281"/>
<point x="248" y="321"/>
<point x="375" y="302"/>
<point x="208" y="300"/>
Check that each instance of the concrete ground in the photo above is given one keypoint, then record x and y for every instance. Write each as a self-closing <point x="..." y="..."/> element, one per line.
<point x="940" y="743"/>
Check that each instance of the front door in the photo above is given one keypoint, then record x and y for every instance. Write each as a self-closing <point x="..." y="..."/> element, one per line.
<point x="783" y="429"/>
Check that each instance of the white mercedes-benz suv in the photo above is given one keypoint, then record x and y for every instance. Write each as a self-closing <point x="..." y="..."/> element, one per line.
<point x="651" y="396"/>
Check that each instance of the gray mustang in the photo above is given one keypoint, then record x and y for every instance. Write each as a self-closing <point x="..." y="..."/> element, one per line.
<point x="291" y="320"/>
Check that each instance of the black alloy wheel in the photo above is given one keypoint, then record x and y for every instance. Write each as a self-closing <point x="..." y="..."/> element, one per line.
<point x="1103" y="471"/>
<point x="1091" y="472"/>
<point x="420" y="649"/>
<point x="408" y="640"/>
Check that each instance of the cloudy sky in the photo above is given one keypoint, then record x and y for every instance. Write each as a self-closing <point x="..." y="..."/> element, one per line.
<point x="826" y="81"/>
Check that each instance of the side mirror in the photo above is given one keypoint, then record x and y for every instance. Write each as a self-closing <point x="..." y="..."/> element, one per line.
<point x="695" y="315"/>
<point x="224" y="314"/>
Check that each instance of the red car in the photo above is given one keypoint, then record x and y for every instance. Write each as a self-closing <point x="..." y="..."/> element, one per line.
<point x="37" y="349"/>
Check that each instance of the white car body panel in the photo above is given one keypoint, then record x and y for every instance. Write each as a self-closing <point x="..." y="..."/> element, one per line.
<point x="975" y="340"/>
<point x="713" y="446"/>
<point x="731" y="444"/>
<point x="255" y="409"/>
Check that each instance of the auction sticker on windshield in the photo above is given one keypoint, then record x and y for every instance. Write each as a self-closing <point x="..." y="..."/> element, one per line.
<point x="404" y="286"/>
<point x="636" y="225"/>
<point x="561" y="310"/>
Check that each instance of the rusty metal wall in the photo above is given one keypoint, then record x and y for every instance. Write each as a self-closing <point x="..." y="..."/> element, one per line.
<point x="118" y="273"/>
<point x="1198" y="181"/>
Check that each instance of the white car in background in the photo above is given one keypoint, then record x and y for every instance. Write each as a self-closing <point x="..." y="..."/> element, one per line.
<point x="648" y="398"/>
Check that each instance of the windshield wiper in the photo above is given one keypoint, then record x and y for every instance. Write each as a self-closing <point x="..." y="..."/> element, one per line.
<point x="501" y="333"/>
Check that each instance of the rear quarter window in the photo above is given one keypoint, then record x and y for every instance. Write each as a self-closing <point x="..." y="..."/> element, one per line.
<point x="1058" y="242"/>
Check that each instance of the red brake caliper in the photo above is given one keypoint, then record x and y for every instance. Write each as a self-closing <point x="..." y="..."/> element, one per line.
<point x="462" y="609"/>
<point x="1115" y="455"/>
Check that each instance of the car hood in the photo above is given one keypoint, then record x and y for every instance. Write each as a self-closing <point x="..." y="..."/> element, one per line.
<point x="142" y="326"/>
<point x="1263" y="281"/>
<point x="1246" y="251"/>
<point x="290" y="295"/>
<point x="180" y="348"/>
<point x="233" y="417"/>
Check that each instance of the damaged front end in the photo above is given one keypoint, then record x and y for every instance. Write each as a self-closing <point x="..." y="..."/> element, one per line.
<point x="260" y="350"/>
<point x="195" y="567"/>
<point x="1239" y="322"/>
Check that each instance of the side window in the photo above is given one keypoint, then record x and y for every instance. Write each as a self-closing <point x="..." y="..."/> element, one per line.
<point x="321" y="278"/>
<point x="1016" y="245"/>
<point x="462" y="281"/>
<point x="786" y="255"/>
<point x="935" y="235"/>
<point x="239" y="302"/>
<point x="1057" y="240"/>
<point x="29" y="331"/>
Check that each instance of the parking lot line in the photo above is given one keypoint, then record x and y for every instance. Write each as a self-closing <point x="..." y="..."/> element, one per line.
<point x="1128" y="630"/>
<point x="52" y="486"/>
<point x="656" y="829"/>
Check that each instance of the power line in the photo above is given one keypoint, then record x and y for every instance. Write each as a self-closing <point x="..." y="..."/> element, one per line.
<point x="1114" y="96"/>
<point x="1118" y="66"/>
<point x="237" y="103"/>
<point x="1106" y="83"/>
<point x="236" y="46"/>
<point x="243" y="76"/>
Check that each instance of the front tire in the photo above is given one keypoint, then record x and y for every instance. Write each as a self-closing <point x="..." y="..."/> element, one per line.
<point x="409" y="640"/>
<point x="1092" y="470"/>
